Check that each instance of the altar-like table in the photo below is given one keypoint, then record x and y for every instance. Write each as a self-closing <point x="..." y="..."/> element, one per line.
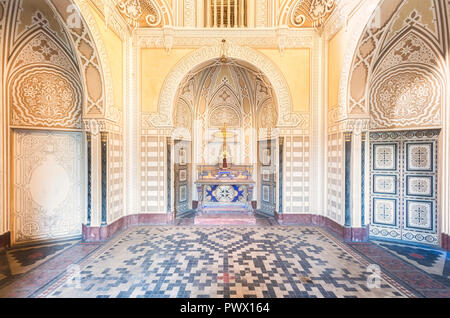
<point x="225" y="189"/>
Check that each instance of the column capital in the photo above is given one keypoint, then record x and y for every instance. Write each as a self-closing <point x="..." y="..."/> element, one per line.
<point x="94" y="126"/>
<point x="355" y="125"/>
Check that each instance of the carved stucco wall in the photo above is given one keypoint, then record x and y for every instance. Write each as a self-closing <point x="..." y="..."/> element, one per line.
<point x="401" y="41"/>
<point x="406" y="97"/>
<point x="305" y="13"/>
<point x="45" y="96"/>
<point x="256" y="108"/>
<point x="47" y="185"/>
<point x="42" y="89"/>
<point x="393" y="74"/>
<point x="168" y="92"/>
<point x="43" y="79"/>
<point x="184" y="13"/>
<point x="60" y="33"/>
<point x="91" y="56"/>
<point x="56" y="74"/>
<point x="232" y="95"/>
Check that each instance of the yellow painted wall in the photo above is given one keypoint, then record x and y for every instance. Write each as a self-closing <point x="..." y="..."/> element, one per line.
<point x="336" y="51"/>
<point x="114" y="49"/>
<point x="296" y="68"/>
<point x="156" y="64"/>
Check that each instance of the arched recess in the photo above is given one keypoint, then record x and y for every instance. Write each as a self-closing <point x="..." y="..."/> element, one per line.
<point x="56" y="75"/>
<point x="373" y="41"/>
<point x="219" y="94"/>
<point x="92" y="57"/>
<point x="102" y="114"/>
<point x="168" y="92"/>
<point x="358" y="27"/>
<point x="395" y="79"/>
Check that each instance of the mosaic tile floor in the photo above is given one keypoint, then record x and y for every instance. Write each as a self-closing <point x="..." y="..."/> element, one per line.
<point x="425" y="271"/>
<point x="187" y="261"/>
<point x="23" y="270"/>
<point x="265" y="260"/>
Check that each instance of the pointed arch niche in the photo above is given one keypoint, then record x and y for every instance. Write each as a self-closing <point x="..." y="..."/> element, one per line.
<point x="217" y="94"/>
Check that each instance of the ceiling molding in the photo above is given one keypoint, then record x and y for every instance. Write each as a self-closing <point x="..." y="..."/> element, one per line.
<point x="169" y="37"/>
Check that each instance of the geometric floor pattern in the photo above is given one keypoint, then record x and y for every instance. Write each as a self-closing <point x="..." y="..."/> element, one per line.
<point x="423" y="270"/>
<point x="26" y="269"/>
<point x="183" y="260"/>
<point x="224" y="261"/>
<point x="430" y="260"/>
<point x="17" y="261"/>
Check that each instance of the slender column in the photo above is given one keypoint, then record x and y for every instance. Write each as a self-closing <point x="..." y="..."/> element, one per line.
<point x="274" y="150"/>
<point x="196" y="152"/>
<point x="235" y="13"/>
<point x="280" y="174"/>
<point x="229" y="14"/>
<point x="104" y="175"/>
<point x="132" y="133"/>
<point x="170" y="176"/>
<point x="242" y="7"/>
<point x="89" y="178"/>
<point x="444" y="174"/>
<point x="363" y="179"/>
<point x="347" y="170"/>
<point x="221" y="12"/>
<point x="96" y="178"/>
<point x="356" y="179"/>
<point x="254" y="156"/>
<point x="208" y="13"/>
<point x="445" y="160"/>
<point x="215" y="14"/>
<point x="201" y="20"/>
<point x="250" y="13"/>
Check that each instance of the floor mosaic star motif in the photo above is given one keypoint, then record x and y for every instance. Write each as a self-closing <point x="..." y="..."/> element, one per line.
<point x="186" y="261"/>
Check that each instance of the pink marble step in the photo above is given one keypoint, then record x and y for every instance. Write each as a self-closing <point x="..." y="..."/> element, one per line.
<point x="225" y="219"/>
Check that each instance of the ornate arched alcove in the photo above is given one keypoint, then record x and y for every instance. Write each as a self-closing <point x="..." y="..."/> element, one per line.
<point x="286" y="116"/>
<point x="392" y="94"/>
<point x="218" y="95"/>
<point x="56" y="77"/>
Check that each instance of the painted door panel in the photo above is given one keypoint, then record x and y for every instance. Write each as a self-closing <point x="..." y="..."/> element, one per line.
<point x="182" y="175"/>
<point x="404" y="186"/>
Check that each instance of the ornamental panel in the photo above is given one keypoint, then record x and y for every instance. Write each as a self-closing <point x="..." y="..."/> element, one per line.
<point x="419" y="214"/>
<point x="384" y="184"/>
<point x="385" y="156"/>
<point x="46" y="97"/>
<point x="384" y="211"/>
<point x="419" y="186"/>
<point x="419" y="157"/>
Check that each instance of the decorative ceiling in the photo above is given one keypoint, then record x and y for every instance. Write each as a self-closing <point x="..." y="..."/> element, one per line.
<point x="138" y="13"/>
<point x="142" y="13"/>
<point x="227" y="84"/>
<point x="159" y="13"/>
<point x="308" y="13"/>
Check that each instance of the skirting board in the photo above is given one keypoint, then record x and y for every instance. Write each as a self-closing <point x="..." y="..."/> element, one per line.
<point x="445" y="242"/>
<point x="346" y="233"/>
<point x="103" y="233"/>
<point x="5" y="240"/>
